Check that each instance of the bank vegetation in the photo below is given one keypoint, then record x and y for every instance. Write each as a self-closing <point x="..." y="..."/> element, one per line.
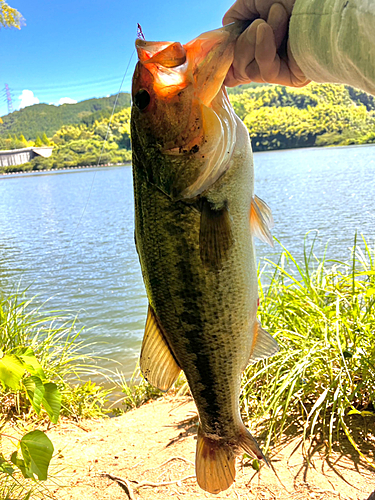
<point x="276" y="117"/>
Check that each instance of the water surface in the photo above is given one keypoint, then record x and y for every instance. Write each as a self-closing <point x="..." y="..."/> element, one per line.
<point x="68" y="236"/>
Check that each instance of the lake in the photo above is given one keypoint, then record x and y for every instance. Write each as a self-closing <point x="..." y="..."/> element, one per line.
<point x="68" y="235"/>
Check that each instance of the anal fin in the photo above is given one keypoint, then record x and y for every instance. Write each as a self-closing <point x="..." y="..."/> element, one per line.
<point x="157" y="362"/>
<point x="264" y="345"/>
<point x="261" y="220"/>
<point x="215" y="237"/>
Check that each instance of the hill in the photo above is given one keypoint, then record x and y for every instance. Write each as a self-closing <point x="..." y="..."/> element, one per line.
<point x="276" y="117"/>
<point x="35" y="120"/>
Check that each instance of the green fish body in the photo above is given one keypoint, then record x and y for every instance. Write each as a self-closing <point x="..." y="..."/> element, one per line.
<point x="194" y="227"/>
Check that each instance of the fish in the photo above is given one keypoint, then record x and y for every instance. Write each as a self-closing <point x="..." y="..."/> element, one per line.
<point x="195" y="218"/>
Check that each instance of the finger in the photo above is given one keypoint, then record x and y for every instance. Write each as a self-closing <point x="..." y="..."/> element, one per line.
<point x="263" y="6"/>
<point x="231" y="81"/>
<point x="253" y="73"/>
<point x="241" y="10"/>
<point x="272" y="69"/>
<point x="266" y="54"/>
<point x="278" y="19"/>
<point x="244" y="51"/>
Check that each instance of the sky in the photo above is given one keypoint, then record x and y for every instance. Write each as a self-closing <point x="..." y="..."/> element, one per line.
<point x="72" y="50"/>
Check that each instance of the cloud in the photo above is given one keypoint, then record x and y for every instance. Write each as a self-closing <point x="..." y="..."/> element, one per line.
<point x="28" y="98"/>
<point x="66" y="100"/>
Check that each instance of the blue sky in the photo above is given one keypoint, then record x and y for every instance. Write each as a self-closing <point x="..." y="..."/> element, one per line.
<point x="78" y="49"/>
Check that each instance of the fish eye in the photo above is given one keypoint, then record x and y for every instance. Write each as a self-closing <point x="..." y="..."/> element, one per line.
<point x="142" y="99"/>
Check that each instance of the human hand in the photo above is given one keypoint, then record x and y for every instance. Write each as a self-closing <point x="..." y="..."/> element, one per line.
<point x="262" y="52"/>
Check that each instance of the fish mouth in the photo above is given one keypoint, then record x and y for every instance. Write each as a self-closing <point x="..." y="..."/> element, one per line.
<point x="211" y="55"/>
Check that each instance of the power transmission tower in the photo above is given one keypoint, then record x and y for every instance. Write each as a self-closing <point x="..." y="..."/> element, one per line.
<point x="9" y="99"/>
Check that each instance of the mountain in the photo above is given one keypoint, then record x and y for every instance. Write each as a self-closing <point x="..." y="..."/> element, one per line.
<point x="35" y="120"/>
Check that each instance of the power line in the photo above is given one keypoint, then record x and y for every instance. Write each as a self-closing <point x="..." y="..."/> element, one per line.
<point x="9" y="99"/>
<point x="68" y="86"/>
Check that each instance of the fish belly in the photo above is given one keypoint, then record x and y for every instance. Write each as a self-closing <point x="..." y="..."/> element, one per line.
<point x="207" y="314"/>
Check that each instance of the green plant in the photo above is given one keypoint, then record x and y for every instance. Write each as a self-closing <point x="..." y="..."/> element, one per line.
<point x="54" y="337"/>
<point x="137" y="391"/>
<point x="42" y="361"/>
<point x="21" y="372"/>
<point x="322" y="314"/>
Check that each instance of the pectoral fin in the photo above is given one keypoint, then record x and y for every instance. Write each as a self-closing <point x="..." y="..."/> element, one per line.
<point x="264" y="345"/>
<point x="261" y="220"/>
<point x="157" y="362"/>
<point x="216" y="237"/>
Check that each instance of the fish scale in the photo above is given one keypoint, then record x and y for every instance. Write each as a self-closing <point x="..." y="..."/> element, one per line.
<point x="197" y="307"/>
<point x="194" y="236"/>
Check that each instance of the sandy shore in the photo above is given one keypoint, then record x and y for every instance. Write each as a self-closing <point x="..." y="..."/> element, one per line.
<point x="151" y="450"/>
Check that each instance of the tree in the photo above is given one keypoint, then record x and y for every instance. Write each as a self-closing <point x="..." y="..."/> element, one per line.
<point x="38" y="143"/>
<point x="9" y="17"/>
<point x="45" y="139"/>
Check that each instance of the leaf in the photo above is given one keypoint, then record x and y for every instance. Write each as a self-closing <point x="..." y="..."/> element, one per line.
<point x="255" y="464"/>
<point x="35" y="391"/>
<point x="11" y="371"/>
<point x="52" y="401"/>
<point x="5" y="466"/>
<point x="18" y="462"/>
<point x="363" y="413"/>
<point x="37" y="450"/>
<point x="32" y="365"/>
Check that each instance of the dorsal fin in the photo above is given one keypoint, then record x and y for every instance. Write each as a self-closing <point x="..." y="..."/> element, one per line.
<point x="157" y="362"/>
<point x="264" y="345"/>
<point x="261" y="220"/>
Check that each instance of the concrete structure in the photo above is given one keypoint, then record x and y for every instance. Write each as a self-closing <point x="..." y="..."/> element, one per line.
<point x="19" y="156"/>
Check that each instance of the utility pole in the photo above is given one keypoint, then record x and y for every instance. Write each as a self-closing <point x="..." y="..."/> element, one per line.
<point x="9" y="98"/>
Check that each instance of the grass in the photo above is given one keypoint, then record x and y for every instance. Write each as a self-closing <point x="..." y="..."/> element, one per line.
<point x="321" y="382"/>
<point x="55" y="340"/>
<point x="322" y="314"/>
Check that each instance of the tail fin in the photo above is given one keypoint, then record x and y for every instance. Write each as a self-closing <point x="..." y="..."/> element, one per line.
<point x="215" y="459"/>
<point x="214" y="464"/>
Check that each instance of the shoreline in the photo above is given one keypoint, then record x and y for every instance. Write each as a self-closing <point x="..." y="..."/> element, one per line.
<point x="152" y="449"/>
<point x="62" y="170"/>
<point x="128" y="164"/>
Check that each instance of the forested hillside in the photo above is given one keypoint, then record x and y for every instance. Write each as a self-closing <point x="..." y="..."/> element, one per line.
<point x="316" y="115"/>
<point x="35" y="120"/>
<point x="277" y="118"/>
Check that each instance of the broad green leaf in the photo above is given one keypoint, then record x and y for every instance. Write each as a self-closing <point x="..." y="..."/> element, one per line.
<point x="52" y="401"/>
<point x="32" y="365"/>
<point x="35" y="391"/>
<point x="11" y="371"/>
<point x="18" y="462"/>
<point x="37" y="451"/>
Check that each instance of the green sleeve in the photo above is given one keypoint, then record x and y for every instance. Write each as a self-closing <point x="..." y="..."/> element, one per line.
<point x="334" y="41"/>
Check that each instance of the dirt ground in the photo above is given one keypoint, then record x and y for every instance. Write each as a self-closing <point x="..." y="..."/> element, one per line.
<point x="151" y="452"/>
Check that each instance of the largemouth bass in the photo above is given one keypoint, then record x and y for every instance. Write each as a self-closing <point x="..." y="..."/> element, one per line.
<point x="195" y="217"/>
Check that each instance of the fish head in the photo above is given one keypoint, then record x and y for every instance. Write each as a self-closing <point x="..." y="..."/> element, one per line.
<point x="182" y="125"/>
